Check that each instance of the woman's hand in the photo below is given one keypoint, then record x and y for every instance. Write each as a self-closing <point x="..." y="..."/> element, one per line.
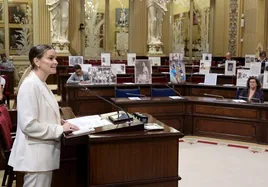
<point x="68" y="126"/>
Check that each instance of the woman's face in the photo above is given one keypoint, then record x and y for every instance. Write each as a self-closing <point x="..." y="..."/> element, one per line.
<point x="48" y="63"/>
<point x="252" y="84"/>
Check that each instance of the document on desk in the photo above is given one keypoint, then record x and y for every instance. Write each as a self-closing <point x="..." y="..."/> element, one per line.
<point x="239" y="100"/>
<point x="88" y="123"/>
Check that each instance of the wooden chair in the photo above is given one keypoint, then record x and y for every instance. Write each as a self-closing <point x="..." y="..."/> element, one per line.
<point x="67" y="113"/>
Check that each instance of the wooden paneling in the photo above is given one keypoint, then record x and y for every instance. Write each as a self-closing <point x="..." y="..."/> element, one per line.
<point x="225" y="128"/>
<point x="225" y="111"/>
<point x="137" y="161"/>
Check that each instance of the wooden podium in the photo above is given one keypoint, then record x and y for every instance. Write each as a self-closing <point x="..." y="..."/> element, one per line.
<point x="122" y="157"/>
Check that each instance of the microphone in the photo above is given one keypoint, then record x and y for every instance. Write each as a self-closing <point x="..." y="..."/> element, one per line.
<point x="138" y="95"/>
<point x="256" y="99"/>
<point x="212" y="95"/>
<point x="120" y="118"/>
<point x="173" y="90"/>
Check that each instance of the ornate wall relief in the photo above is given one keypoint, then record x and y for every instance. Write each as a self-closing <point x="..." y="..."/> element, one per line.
<point x="233" y="18"/>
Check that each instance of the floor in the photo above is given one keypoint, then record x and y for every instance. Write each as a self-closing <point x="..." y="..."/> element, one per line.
<point x="208" y="162"/>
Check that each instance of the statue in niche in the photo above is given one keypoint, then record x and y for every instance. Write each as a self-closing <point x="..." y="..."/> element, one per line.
<point x="156" y="12"/>
<point x="59" y="17"/>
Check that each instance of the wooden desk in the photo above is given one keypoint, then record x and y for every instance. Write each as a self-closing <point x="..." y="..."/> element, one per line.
<point x="206" y="116"/>
<point x="137" y="158"/>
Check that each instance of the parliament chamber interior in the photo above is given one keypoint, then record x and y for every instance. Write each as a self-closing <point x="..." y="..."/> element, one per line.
<point x="166" y="69"/>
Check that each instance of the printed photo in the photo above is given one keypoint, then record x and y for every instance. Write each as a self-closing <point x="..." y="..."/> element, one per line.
<point x="105" y="59"/>
<point x="131" y="58"/>
<point x="73" y="60"/>
<point x="100" y="75"/>
<point x="176" y="57"/>
<point x="143" y="72"/>
<point x="177" y="72"/>
<point x="230" y="67"/>
<point x="204" y="67"/>
<point x="155" y="61"/>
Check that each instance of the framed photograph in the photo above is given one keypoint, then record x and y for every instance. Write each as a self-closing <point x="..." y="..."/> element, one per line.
<point x="1" y="12"/>
<point x="206" y="56"/>
<point x="121" y="17"/>
<point x="155" y="61"/>
<point x="17" y="13"/>
<point x="143" y="72"/>
<point x="249" y="59"/>
<point x="15" y="38"/>
<point x="117" y="69"/>
<point x="73" y="60"/>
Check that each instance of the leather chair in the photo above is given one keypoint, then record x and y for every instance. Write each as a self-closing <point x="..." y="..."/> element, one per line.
<point x="119" y="93"/>
<point x="162" y="92"/>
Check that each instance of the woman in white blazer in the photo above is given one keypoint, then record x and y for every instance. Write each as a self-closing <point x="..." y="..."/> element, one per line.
<point x="36" y="150"/>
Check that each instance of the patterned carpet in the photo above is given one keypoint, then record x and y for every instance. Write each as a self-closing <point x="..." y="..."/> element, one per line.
<point x="216" y="163"/>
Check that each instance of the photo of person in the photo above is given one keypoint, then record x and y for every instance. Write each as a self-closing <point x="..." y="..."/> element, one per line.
<point x="155" y="61"/>
<point x="117" y="69"/>
<point x="206" y="56"/>
<point x="131" y="58"/>
<point x="101" y="75"/>
<point x="204" y="66"/>
<point x="177" y="72"/>
<point x="230" y="66"/>
<point x="177" y="57"/>
<point x="239" y="75"/>
<point x="105" y="59"/>
<point x="15" y="38"/>
<point x="143" y="72"/>
<point x="73" y="60"/>
<point x="122" y="17"/>
<point x="249" y="59"/>
<point x="17" y="13"/>
<point x="242" y="77"/>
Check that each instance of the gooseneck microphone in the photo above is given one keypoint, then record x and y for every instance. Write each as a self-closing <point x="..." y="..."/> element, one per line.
<point x="120" y="119"/>
<point x="212" y="95"/>
<point x="173" y="90"/>
<point x="138" y="95"/>
<point x="252" y="99"/>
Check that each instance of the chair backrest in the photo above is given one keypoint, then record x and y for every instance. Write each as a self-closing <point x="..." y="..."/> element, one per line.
<point x="67" y="112"/>
<point x="6" y="115"/>
<point x="5" y="133"/>
<point x="159" y="79"/>
<point x="238" y="93"/>
<point x="162" y="92"/>
<point x="127" y="92"/>
<point x="124" y="79"/>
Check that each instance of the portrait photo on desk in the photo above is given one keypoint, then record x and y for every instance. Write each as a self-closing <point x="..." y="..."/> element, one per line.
<point x="17" y="13"/>
<point x="177" y="72"/>
<point x="249" y="59"/>
<point x="242" y="77"/>
<point x="265" y="79"/>
<point x="204" y="66"/>
<point x="117" y="69"/>
<point x="73" y="60"/>
<point x="131" y="58"/>
<point x="176" y="57"/>
<point x="206" y="56"/>
<point x="143" y="72"/>
<point x="100" y="75"/>
<point x="105" y="59"/>
<point x="230" y="67"/>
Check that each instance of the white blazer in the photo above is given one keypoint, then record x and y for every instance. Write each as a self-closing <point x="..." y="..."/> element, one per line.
<point x="37" y="144"/>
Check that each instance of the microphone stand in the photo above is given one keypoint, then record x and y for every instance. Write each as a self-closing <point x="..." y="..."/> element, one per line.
<point x="128" y="119"/>
<point x="138" y="95"/>
<point x="212" y="95"/>
<point x="173" y="90"/>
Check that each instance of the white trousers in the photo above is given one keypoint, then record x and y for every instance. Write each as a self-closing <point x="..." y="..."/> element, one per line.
<point x="39" y="179"/>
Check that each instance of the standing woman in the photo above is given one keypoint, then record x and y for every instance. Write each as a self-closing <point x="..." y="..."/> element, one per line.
<point x="253" y="92"/>
<point x="36" y="150"/>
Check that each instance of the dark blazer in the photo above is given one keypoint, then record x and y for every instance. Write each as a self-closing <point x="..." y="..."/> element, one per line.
<point x="74" y="78"/>
<point x="257" y="97"/>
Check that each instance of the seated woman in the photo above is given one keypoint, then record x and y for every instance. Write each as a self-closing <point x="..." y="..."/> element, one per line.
<point x="78" y="76"/>
<point x="253" y="92"/>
